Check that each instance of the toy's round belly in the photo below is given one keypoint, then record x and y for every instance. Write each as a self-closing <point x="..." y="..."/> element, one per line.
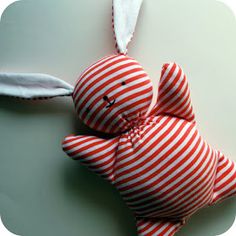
<point x="168" y="172"/>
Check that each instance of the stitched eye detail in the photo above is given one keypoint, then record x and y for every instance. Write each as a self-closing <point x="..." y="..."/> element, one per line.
<point x="88" y="110"/>
<point x="105" y="98"/>
<point x="123" y="83"/>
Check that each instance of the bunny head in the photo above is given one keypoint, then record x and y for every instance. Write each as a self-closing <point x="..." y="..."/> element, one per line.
<point x="113" y="94"/>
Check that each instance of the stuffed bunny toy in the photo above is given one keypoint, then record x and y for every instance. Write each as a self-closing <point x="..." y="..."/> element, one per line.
<point x="163" y="168"/>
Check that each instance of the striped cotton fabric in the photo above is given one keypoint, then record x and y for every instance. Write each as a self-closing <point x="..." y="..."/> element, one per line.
<point x="111" y="94"/>
<point x="161" y="165"/>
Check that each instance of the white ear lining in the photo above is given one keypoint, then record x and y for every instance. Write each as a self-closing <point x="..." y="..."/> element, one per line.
<point x="125" y="15"/>
<point x="33" y="86"/>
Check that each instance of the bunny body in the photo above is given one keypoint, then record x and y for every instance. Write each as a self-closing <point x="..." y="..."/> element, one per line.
<point x="159" y="162"/>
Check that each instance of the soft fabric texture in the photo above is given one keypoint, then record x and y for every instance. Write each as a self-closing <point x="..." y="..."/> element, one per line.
<point x="163" y="168"/>
<point x="33" y="86"/>
<point x="125" y="15"/>
<point x="115" y="79"/>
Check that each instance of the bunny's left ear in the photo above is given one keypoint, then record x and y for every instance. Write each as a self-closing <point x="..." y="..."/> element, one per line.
<point x="33" y="86"/>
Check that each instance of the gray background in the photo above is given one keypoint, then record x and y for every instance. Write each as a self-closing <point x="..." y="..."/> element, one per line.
<point x="44" y="193"/>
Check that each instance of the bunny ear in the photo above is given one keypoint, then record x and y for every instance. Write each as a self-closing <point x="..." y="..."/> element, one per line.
<point x="125" y="15"/>
<point x="33" y="86"/>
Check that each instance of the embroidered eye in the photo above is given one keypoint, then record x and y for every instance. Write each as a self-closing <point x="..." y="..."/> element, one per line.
<point x="88" y="110"/>
<point x="123" y="83"/>
<point x="105" y="98"/>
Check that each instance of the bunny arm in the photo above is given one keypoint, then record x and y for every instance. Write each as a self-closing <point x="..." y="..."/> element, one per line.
<point x="96" y="153"/>
<point x="174" y="94"/>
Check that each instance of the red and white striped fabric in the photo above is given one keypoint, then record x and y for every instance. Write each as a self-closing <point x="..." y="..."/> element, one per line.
<point x="158" y="161"/>
<point x="112" y="94"/>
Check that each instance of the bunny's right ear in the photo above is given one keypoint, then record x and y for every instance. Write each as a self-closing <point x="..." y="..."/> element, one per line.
<point x="125" y="15"/>
<point x="33" y="86"/>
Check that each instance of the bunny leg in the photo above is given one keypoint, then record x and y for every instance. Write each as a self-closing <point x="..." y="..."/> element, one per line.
<point x="153" y="227"/>
<point x="225" y="183"/>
